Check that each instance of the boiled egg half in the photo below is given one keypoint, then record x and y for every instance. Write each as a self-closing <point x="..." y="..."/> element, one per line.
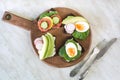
<point x="71" y="49"/>
<point x="81" y="26"/>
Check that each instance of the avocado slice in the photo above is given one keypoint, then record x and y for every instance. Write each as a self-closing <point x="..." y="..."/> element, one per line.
<point x="72" y="19"/>
<point x="44" y="48"/>
<point x="51" y="45"/>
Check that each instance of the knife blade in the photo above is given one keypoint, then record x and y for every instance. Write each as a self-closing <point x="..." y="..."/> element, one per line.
<point x="104" y="50"/>
<point x="98" y="56"/>
<point x="93" y="52"/>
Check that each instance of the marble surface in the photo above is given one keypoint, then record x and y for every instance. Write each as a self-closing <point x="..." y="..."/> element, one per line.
<point x="18" y="60"/>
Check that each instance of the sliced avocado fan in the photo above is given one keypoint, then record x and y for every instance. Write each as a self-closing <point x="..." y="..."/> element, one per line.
<point x="48" y="46"/>
<point x="51" y="45"/>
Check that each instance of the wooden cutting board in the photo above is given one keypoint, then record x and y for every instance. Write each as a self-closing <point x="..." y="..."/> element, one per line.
<point x="59" y="33"/>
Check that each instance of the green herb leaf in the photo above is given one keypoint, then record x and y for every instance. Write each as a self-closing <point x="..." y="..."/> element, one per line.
<point x="80" y="35"/>
<point x="50" y="13"/>
<point x="43" y="15"/>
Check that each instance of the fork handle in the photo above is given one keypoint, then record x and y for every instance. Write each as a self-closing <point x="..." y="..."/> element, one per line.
<point x="93" y="57"/>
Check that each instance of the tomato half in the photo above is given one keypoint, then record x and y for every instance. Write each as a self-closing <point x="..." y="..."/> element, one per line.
<point x="49" y="22"/>
<point x="60" y="21"/>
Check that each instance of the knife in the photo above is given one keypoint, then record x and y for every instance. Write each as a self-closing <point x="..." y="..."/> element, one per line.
<point x="101" y="48"/>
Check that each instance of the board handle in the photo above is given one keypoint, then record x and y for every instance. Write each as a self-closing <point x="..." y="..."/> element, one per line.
<point x="17" y="20"/>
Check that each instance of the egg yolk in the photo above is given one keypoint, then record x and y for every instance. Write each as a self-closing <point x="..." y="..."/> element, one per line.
<point x="71" y="51"/>
<point x="79" y="26"/>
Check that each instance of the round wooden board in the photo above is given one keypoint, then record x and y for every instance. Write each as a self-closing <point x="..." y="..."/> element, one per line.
<point x="61" y="37"/>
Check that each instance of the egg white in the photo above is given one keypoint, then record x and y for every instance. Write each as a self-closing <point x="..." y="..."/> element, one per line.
<point x="71" y="45"/>
<point x="85" y="24"/>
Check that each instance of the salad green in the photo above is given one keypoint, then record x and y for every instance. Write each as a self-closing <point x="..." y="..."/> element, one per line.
<point x="80" y="35"/>
<point x="50" y="13"/>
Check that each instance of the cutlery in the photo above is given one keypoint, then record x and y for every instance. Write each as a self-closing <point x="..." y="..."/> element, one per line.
<point x="102" y="48"/>
<point x="94" y="51"/>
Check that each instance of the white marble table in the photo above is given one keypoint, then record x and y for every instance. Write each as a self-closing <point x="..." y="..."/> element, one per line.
<point x="18" y="60"/>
